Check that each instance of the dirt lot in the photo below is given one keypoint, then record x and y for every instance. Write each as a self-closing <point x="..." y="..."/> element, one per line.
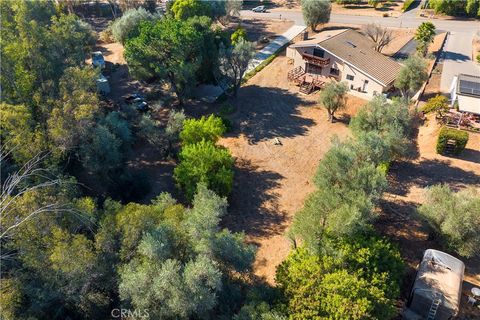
<point x="261" y="30"/>
<point x="393" y="8"/>
<point x="272" y="181"/>
<point x="407" y="180"/>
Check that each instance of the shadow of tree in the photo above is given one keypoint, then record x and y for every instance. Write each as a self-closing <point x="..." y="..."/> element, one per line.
<point x="448" y="55"/>
<point x="253" y="202"/>
<point x="266" y="113"/>
<point x="426" y="173"/>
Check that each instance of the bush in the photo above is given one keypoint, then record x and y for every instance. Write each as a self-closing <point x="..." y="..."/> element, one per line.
<point x="446" y="134"/>
<point x="455" y="217"/>
<point x="196" y="130"/>
<point x="478" y="58"/>
<point x="226" y="109"/>
<point x="437" y="104"/>
<point x="206" y="163"/>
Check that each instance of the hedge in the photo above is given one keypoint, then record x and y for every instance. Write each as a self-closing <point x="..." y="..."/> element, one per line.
<point x="407" y="5"/>
<point x="460" y="138"/>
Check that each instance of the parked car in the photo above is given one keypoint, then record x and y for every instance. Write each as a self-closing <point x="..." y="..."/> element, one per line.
<point x="259" y="9"/>
<point x="98" y="60"/>
<point x="133" y="96"/>
<point x="138" y="101"/>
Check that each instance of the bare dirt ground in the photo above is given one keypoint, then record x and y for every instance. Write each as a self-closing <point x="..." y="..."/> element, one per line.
<point x="262" y="31"/>
<point x="391" y="8"/>
<point x="398" y="219"/>
<point x="272" y="181"/>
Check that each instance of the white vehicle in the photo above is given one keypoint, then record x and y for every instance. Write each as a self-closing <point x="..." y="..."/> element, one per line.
<point x="259" y="9"/>
<point x="98" y="60"/>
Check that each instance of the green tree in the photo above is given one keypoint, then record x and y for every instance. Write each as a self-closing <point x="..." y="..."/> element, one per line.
<point x="317" y="287"/>
<point x="128" y="24"/>
<point x="391" y="121"/>
<point x="168" y="50"/>
<point x="184" y="9"/>
<point x="206" y="163"/>
<point x="316" y="12"/>
<point x="196" y="130"/>
<point x="472" y="7"/>
<point x="412" y="75"/>
<point x="234" y="61"/>
<point x="455" y="217"/>
<point x="333" y="98"/>
<point x="424" y="36"/>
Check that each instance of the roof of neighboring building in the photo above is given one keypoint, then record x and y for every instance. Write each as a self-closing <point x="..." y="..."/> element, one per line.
<point x="468" y="85"/>
<point x="317" y="38"/>
<point x="357" y="50"/>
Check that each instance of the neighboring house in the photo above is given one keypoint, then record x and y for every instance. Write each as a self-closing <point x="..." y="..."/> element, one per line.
<point x="346" y="55"/>
<point x="465" y="90"/>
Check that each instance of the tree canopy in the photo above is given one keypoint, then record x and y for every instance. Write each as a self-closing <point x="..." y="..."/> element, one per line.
<point x="316" y="12"/>
<point x="411" y="76"/>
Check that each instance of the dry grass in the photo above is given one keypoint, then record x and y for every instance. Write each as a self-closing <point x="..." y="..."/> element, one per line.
<point x="272" y="181"/>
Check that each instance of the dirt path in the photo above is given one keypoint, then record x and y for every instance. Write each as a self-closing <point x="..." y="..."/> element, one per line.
<point x="272" y="181"/>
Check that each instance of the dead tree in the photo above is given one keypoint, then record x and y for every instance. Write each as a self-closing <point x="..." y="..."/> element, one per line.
<point x="379" y="35"/>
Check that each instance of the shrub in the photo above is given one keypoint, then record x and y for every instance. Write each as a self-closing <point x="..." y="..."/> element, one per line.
<point x="196" y="130"/>
<point x="204" y="162"/>
<point x="455" y="217"/>
<point x="437" y="104"/>
<point x="446" y="134"/>
<point x="226" y="109"/>
<point x="478" y="58"/>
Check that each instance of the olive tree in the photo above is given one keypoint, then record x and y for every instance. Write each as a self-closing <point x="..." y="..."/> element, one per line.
<point x="333" y="98"/>
<point x="412" y="75"/>
<point x="455" y="217"/>
<point x="127" y="25"/>
<point x="234" y="61"/>
<point x="316" y="12"/>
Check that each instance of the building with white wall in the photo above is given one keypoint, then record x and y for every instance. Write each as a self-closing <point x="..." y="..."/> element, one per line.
<point x="465" y="91"/>
<point x="346" y="55"/>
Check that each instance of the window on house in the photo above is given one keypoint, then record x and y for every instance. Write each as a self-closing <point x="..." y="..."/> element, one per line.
<point x="334" y="71"/>
<point x="350" y="77"/>
<point x="317" y="52"/>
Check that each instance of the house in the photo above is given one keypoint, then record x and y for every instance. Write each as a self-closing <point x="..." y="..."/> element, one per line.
<point x="437" y="290"/>
<point x="465" y="91"/>
<point x="345" y="55"/>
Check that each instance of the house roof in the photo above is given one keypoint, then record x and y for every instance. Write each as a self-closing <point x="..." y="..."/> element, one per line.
<point x="356" y="50"/>
<point x="468" y="85"/>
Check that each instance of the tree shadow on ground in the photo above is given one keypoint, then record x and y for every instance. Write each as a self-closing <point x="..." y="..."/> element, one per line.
<point x="448" y="55"/>
<point x="426" y="173"/>
<point x="253" y="203"/>
<point x="265" y="113"/>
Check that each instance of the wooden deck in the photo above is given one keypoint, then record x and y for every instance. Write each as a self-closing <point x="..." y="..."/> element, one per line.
<point x="307" y="82"/>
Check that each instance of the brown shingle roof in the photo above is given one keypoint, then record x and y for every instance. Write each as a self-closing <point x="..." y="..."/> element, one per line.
<point x="357" y="50"/>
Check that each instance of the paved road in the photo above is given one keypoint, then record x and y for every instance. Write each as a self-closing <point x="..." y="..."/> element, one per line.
<point x="404" y="21"/>
<point x="457" y="52"/>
